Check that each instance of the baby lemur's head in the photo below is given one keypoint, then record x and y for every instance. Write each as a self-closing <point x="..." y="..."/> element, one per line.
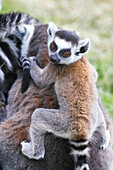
<point x="65" y="47"/>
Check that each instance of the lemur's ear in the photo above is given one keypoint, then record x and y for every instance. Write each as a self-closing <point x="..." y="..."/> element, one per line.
<point x="83" y="46"/>
<point x="52" y="28"/>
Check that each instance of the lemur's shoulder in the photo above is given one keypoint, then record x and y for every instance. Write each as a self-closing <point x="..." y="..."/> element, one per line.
<point x="80" y="70"/>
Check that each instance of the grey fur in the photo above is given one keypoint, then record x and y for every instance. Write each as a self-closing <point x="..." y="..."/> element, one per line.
<point x="63" y="122"/>
<point x="11" y="48"/>
<point x="19" y="106"/>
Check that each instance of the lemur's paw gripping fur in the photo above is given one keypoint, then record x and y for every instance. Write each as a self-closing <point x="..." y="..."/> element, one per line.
<point x="32" y="59"/>
<point x="105" y="143"/>
<point x="83" y="167"/>
<point x="28" y="151"/>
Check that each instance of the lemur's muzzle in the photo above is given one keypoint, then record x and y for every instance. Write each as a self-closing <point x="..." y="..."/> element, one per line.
<point x="54" y="59"/>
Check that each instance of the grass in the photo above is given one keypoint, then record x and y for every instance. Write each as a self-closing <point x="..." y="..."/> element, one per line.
<point x="93" y="19"/>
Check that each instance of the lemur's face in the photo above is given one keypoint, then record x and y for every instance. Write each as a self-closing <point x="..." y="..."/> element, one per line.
<point x="65" y="47"/>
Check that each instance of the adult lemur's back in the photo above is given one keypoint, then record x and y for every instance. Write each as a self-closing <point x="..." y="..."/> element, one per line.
<point x="19" y="110"/>
<point x="11" y="19"/>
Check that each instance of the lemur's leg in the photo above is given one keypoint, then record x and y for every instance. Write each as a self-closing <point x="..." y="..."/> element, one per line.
<point x="104" y="142"/>
<point x="44" y="120"/>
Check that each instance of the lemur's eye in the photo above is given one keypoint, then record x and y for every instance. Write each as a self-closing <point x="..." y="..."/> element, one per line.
<point x="53" y="47"/>
<point x="65" y="53"/>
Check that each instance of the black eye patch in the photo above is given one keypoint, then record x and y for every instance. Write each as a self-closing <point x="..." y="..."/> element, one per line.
<point x="53" y="47"/>
<point x="65" y="53"/>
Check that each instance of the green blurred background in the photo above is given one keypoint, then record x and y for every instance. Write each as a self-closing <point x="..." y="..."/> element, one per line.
<point x="92" y="18"/>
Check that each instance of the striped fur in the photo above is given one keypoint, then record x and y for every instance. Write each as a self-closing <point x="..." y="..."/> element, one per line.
<point x="29" y="29"/>
<point x="16" y="128"/>
<point x="9" y="54"/>
<point x="80" y="152"/>
<point x="10" y="20"/>
<point x="14" y="43"/>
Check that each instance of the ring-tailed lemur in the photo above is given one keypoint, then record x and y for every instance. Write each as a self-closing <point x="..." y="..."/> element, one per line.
<point x="15" y="30"/>
<point x="79" y="114"/>
<point x="16" y="128"/>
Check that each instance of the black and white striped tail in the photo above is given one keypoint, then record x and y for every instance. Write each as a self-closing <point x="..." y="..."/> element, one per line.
<point x="80" y="152"/>
<point x="26" y="73"/>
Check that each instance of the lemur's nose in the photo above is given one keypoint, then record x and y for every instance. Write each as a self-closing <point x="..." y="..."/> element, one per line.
<point x="54" y="59"/>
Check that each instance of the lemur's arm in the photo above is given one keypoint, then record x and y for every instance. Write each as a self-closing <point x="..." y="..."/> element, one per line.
<point x="42" y="77"/>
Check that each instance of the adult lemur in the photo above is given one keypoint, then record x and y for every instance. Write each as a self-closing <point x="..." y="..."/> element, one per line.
<point x="79" y="114"/>
<point x="19" y="109"/>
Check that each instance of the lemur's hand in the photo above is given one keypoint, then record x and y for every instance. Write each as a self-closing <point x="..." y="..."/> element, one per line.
<point x="32" y="59"/>
<point x="32" y="62"/>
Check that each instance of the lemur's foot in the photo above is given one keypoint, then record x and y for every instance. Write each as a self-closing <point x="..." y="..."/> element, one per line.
<point x="105" y="143"/>
<point x="83" y="167"/>
<point x="28" y="151"/>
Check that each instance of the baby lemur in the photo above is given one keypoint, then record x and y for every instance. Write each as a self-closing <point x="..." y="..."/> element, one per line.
<point x="79" y="114"/>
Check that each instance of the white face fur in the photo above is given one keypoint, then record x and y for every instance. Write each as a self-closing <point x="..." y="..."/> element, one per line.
<point x="63" y="51"/>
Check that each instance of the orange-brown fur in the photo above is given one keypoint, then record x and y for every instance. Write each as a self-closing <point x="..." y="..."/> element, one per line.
<point x="76" y="85"/>
<point x="16" y="128"/>
<point x="79" y="114"/>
